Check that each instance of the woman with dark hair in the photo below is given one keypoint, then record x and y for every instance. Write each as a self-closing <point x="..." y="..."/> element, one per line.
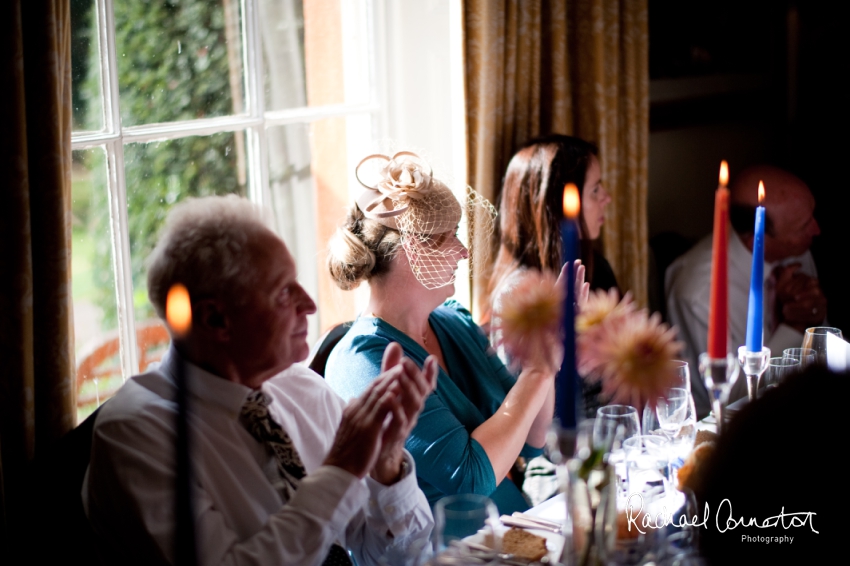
<point x="531" y="209"/>
<point x="530" y="213"/>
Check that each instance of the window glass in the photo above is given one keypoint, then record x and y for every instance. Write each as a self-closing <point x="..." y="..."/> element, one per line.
<point x="160" y="174"/>
<point x="178" y="60"/>
<point x="312" y="184"/>
<point x="314" y="53"/>
<point x="86" y="91"/>
<point x="93" y="288"/>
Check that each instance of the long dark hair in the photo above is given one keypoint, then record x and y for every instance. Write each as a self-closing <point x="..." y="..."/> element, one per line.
<point x="530" y="205"/>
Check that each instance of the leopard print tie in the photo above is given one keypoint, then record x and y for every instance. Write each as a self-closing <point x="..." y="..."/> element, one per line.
<point x="256" y="419"/>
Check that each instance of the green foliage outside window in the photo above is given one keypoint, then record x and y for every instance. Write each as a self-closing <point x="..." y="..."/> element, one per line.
<point x="172" y="65"/>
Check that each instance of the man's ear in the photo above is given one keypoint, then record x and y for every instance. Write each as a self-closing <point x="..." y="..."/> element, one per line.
<point x="210" y="317"/>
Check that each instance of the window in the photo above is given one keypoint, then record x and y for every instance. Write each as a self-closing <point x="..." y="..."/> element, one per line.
<point x="276" y="100"/>
<point x="193" y="97"/>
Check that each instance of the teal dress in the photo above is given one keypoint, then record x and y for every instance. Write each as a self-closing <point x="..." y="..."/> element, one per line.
<point x="448" y="459"/>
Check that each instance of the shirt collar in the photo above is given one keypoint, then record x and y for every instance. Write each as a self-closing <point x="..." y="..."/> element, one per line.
<point x="205" y="386"/>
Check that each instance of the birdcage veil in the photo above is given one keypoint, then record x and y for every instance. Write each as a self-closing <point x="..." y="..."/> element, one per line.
<point x="402" y="193"/>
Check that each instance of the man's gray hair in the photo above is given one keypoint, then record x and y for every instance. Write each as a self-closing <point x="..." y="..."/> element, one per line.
<point x="209" y="245"/>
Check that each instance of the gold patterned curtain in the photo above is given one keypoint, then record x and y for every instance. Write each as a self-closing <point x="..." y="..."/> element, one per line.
<point x="576" y="67"/>
<point x="36" y="381"/>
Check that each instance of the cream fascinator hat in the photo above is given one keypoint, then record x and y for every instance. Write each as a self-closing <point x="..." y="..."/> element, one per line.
<point x="402" y="194"/>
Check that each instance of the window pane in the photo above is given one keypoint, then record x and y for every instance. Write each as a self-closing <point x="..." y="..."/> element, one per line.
<point x="93" y="285"/>
<point x="314" y="53"/>
<point x="311" y="177"/>
<point x="179" y="60"/>
<point x="86" y="88"/>
<point x="160" y="174"/>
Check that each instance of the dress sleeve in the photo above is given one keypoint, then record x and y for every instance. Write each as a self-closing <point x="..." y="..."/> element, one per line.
<point x="447" y="456"/>
<point x="349" y="373"/>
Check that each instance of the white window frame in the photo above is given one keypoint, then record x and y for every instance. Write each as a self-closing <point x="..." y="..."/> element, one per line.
<point x="254" y="122"/>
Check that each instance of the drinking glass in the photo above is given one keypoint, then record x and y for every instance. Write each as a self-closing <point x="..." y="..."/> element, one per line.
<point x="805" y="355"/>
<point x="815" y="339"/>
<point x="672" y="410"/>
<point x="682" y="439"/>
<point x="683" y="375"/>
<point x="778" y="369"/>
<point x="464" y="515"/>
<point x="613" y="425"/>
<point x="647" y="463"/>
<point x="609" y="418"/>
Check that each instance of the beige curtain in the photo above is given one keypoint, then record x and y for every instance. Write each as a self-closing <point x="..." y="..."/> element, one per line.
<point x="576" y="67"/>
<point x="36" y="381"/>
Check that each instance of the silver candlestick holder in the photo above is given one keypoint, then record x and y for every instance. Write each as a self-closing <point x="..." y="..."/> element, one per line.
<point x="719" y="375"/>
<point x="754" y="364"/>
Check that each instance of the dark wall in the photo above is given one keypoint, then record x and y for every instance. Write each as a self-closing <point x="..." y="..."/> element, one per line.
<point x="757" y="81"/>
<point x="819" y="143"/>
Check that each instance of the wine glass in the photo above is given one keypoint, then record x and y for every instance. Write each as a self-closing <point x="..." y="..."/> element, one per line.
<point x="464" y="515"/>
<point x="682" y="440"/>
<point x="805" y="355"/>
<point x="608" y="419"/>
<point x="647" y="462"/>
<point x="683" y="374"/>
<point x="816" y="339"/>
<point x="778" y="369"/>
<point x="613" y="425"/>
<point x="649" y="421"/>
<point x="672" y="410"/>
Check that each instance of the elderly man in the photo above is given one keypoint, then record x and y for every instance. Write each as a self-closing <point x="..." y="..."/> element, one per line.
<point x="793" y="298"/>
<point x="283" y="471"/>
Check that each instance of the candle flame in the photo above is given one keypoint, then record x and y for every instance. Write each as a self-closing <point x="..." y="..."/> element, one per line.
<point x="178" y="309"/>
<point x="724" y="173"/>
<point x="761" y="193"/>
<point x="572" y="202"/>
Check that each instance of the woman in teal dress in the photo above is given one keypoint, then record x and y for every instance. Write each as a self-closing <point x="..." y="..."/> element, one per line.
<point x="401" y="237"/>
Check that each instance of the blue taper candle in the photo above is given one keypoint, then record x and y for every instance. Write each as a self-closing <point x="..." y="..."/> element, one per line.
<point x="755" y="315"/>
<point x="566" y="383"/>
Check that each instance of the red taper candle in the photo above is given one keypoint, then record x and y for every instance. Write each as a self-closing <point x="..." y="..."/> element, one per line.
<point x="719" y="305"/>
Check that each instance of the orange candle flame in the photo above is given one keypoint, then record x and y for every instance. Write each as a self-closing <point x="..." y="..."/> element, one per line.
<point x="724" y="173"/>
<point x="572" y="202"/>
<point x="178" y="310"/>
<point x="761" y="193"/>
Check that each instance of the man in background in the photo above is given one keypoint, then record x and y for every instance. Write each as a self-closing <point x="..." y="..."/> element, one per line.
<point x="283" y="471"/>
<point x="793" y="297"/>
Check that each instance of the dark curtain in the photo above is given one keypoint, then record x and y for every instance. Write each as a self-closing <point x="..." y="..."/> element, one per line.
<point x="36" y="380"/>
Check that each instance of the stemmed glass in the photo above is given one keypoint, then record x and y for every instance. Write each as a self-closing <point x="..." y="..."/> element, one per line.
<point x="719" y="375"/>
<point x="609" y="418"/>
<point x="613" y="425"/>
<point x="805" y="355"/>
<point x="672" y="410"/>
<point x="674" y="415"/>
<point x="778" y="369"/>
<point x="816" y="339"/>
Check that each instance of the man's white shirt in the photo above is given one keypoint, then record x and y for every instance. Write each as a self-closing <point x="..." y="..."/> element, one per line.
<point x="239" y="516"/>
